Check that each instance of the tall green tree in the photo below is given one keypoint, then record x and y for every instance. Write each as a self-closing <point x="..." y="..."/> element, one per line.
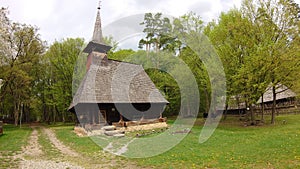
<point x="171" y="37"/>
<point x="257" y="45"/>
<point x="160" y="76"/>
<point x="233" y="38"/>
<point x="157" y="30"/>
<point x="277" y="36"/>
<point x="21" y="50"/>
<point x="189" y="31"/>
<point x="61" y="59"/>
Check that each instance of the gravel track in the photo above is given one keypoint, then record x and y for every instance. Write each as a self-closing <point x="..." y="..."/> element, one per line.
<point x="58" y="144"/>
<point x="34" y="151"/>
<point x="34" y="157"/>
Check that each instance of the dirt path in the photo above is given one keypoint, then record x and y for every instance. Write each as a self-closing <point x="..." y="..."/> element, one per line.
<point x="58" y="144"/>
<point x="33" y="148"/>
<point x="53" y="154"/>
<point x="32" y="153"/>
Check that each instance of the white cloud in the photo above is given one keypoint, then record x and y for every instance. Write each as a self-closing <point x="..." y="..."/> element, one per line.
<point x="37" y="10"/>
<point x="59" y="19"/>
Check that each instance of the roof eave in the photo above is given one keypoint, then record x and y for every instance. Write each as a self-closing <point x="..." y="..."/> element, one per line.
<point x="96" y="47"/>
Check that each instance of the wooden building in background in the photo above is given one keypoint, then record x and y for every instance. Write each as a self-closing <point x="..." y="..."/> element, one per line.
<point x="286" y="100"/>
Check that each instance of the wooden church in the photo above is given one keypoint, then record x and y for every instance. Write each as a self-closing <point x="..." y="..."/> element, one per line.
<point x="114" y="92"/>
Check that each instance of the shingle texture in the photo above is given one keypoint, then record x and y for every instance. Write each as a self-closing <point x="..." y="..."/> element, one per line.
<point x="109" y="81"/>
<point x="282" y="92"/>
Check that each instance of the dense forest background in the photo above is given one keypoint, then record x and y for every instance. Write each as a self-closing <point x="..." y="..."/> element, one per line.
<point x="258" y="45"/>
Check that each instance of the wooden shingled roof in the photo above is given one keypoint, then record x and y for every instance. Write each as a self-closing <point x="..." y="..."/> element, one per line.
<point x="109" y="81"/>
<point x="282" y="92"/>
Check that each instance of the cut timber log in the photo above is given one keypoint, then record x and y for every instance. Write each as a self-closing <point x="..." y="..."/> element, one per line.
<point x="114" y="132"/>
<point x="145" y="121"/>
<point x="119" y="135"/>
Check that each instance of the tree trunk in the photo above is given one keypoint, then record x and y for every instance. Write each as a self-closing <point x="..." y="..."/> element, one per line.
<point x="188" y="110"/>
<point x="54" y="115"/>
<point x="273" y="105"/>
<point x="225" y="113"/>
<point x="239" y="107"/>
<point x="252" y="114"/>
<point x="28" y="114"/>
<point x="147" y="49"/>
<point x="46" y="115"/>
<point x="21" y="115"/>
<point x="16" y="112"/>
<point x="58" y="116"/>
<point x="63" y="117"/>
<point x="262" y="108"/>
<point x="207" y="101"/>
<point x="157" y="44"/>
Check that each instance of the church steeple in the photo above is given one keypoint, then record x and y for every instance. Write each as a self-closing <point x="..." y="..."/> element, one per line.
<point x="97" y="43"/>
<point x="97" y="36"/>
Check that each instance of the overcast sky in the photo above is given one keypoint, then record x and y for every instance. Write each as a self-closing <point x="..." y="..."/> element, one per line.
<point x="58" y="19"/>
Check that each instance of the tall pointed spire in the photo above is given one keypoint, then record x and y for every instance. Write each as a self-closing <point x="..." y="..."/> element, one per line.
<point x="97" y="36"/>
<point x="97" y="43"/>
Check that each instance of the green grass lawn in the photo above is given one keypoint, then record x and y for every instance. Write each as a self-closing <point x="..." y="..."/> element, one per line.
<point x="80" y="144"/>
<point x="11" y="143"/>
<point x="231" y="146"/>
<point x="234" y="146"/>
<point x="92" y="153"/>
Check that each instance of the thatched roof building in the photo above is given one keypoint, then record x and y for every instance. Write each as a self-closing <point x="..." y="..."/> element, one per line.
<point x="282" y="93"/>
<point x="236" y="105"/>
<point x="113" y="91"/>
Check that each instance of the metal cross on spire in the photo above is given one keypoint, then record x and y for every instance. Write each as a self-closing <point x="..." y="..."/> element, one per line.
<point x="97" y="43"/>
<point x="99" y="7"/>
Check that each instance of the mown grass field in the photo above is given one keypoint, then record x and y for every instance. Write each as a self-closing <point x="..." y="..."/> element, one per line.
<point x="237" y="147"/>
<point x="231" y="146"/>
<point x="11" y="143"/>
